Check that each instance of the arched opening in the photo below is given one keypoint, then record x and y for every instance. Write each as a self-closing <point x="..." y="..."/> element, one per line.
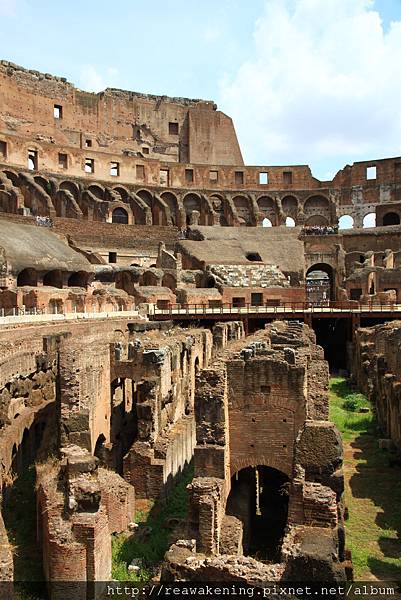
<point x="316" y="220"/>
<point x="259" y="498"/>
<point x="243" y="210"/>
<point x="289" y="222"/>
<point x="320" y="284"/>
<point x="289" y="205"/>
<point x="169" y="281"/>
<point x="192" y="203"/>
<point x="99" y="447"/>
<point x="253" y="256"/>
<point x="27" y="277"/>
<point x="345" y="222"/>
<point x="391" y="218"/>
<point x="268" y="208"/>
<point x="149" y="279"/>
<point x="369" y="220"/>
<point x="79" y="279"/>
<point x="211" y="282"/>
<point x="53" y="278"/>
<point x="171" y="200"/>
<point x="119" y="215"/>
<point x="56" y="306"/>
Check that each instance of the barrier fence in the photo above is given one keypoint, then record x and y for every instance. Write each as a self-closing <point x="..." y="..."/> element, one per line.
<point x="283" y="308"/>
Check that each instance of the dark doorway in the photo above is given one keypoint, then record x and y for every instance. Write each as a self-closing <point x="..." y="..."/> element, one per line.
<point x="391" y="218"/>
<point x="259" y="498"/>
<point x="333" y="335"/>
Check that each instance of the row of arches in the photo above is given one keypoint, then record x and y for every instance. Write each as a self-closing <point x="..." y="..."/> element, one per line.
<point x="53" y="278"/>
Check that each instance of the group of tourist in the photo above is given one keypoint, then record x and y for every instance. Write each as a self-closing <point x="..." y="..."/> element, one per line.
<point x="320" y="229"/>
<point x="44" y="221"/>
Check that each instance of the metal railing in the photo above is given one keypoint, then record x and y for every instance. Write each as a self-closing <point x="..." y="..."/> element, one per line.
<point x="24" y="315"/>
<point x="282" y="308"/>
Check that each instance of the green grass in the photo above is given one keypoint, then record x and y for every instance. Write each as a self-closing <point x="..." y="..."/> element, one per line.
<point x="19" y="513"/>
<point x="152" y="548"/>
<point x="373" y="489"/>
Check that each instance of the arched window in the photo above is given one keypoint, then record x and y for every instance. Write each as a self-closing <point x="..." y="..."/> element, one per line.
<point x="391" y="218"/>
<point x="345" y="222"/>
<point x="119" y="215"/>
<point x="53" y="278"/>
<point x="369" y="220"/>
<point x="27" y="277"/>
<point x="289" y="222"/>
<point x="266" y="222"/>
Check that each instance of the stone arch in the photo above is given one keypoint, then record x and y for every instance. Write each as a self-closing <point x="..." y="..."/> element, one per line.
<point x="120" y="215"/>
<point x="71" y="187"/>
<point x="172" y="202"/>
<point x="148" y="199"/>
<point x="122" y="191"/>
<point x="243" y="209"/>
<point x="259" y="497"/>
<point x="43" y="182"/>
<point x="12" y="176"/>
<point x="149" y="279"/>
<point x="169" y="281"/>
<point x="193" y="202"/>
<point x="345" y="222"/>
<point x="27" y="277"/>
<point x="369" y="220"/>
<point x="289" y="205"/>
<point x="97" y="190"/>
<point x="320" y="283"/>
<point x="391" y="218"/>
<point x="222" y="208"/>
<point x="78" y="279"/>
<point x="53" y="278"/>
<point x="316" y="220"/>
<point x="268" y="208"/>
<point x="317" y="205"/>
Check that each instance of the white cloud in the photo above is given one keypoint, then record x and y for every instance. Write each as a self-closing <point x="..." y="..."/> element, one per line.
<point x="92" y="80"/>
<point x="322" y="84"/>
<point x="211" y="34"/>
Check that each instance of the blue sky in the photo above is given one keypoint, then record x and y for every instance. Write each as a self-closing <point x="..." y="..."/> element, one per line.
<point x="306" y="81"/>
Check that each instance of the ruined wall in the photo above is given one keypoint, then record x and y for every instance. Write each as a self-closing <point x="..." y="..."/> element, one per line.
<point x="264" y="402"/>
<point x="376" y="370"/>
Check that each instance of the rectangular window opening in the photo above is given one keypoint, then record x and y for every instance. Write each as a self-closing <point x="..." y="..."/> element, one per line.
<point x="164" y="177"/>
<point x="3" y="149"/>
<point x="112" y="257"/>
<point x="114" y="169"/>
<point x="355" y="293"/>
<point x="239" y="177"/>
<point x="145" y="150"/>
<point x="88" y="143"/>
<point x="213" y="176"/>
<point x="189" y="175"/>
<point x="62" y="161"/>
<point x="173" y="128"/>
<point x="89" y="165"/>
<point x="263" y="178"/>
<point x="32" y="160"/>
<point x="140" y="172"/>
<point x="370" y="173"/>
<point x="287" y="177"/>
<point x="256" y="299"/>
<point x="58" y="111"/>
<point x="238" y="302"/>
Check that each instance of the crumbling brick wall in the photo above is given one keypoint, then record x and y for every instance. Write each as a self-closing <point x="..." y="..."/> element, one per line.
<point x="376" y="369"/>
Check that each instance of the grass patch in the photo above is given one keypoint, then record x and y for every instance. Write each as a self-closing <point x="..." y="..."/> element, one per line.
<point x="372" y="490"/>
<point x="19" y="513"/>
<point x="151" y="548"/>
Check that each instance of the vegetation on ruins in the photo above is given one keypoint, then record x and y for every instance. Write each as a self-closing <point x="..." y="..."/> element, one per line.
<point x="372" y="488"/>
<point x="150" y="548"/>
